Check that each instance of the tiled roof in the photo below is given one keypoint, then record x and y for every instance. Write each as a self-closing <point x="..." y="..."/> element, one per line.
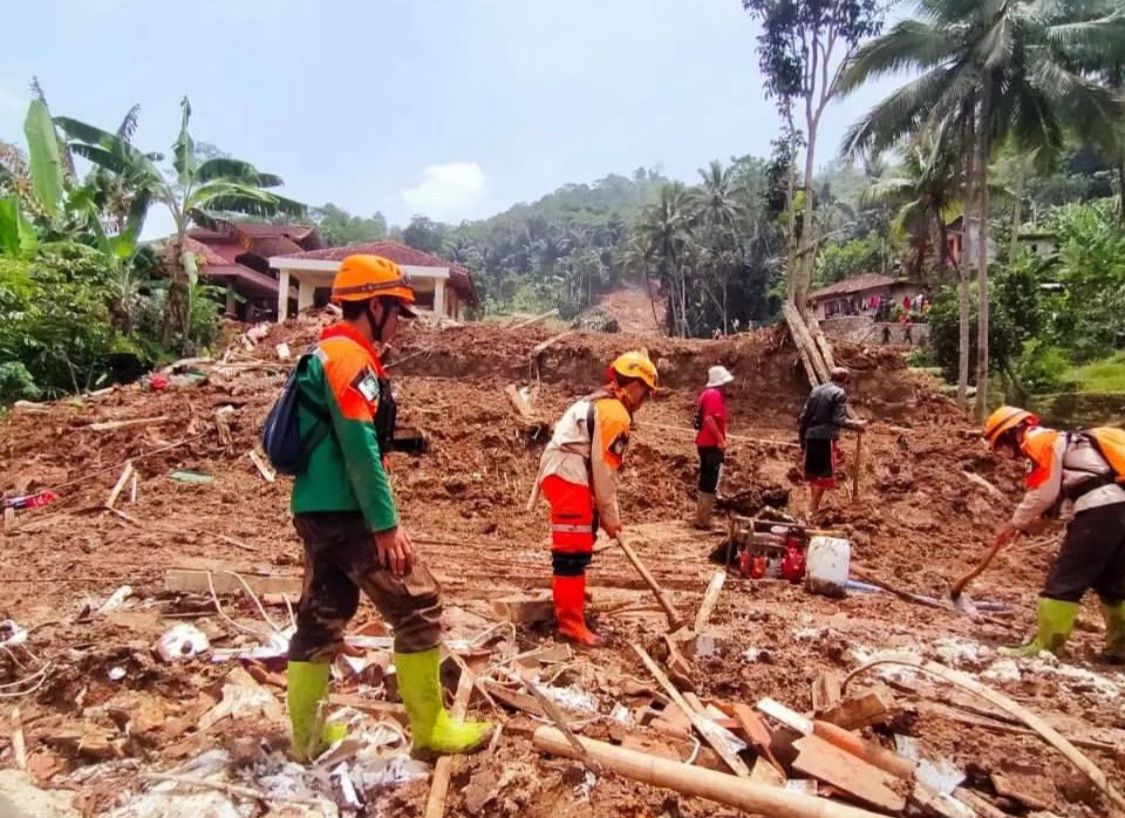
<point x="461" y="276"/>
<point x="849" y="286"/>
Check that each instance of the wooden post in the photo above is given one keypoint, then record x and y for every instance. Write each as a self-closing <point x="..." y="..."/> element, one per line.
<point x="858" y="464"/>
<point x="739" y="793"/>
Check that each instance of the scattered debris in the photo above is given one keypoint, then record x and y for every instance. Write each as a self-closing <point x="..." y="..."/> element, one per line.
<point x="182" y="641"/>
<point x="191" y="476"/>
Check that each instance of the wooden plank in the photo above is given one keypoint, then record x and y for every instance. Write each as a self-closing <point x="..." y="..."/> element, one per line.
<point x="826" y="691"/>
<point x="857" y="712"/>
<point x="110" y="425"/>
<point x="524" y="610"/>
<point x="1048" y="733"/>
<point x="702" y="725"/>
<point x="538" y="319"/>
<point x="178" y="580"/>
<point x="443" y="768"/>
<point x="710" y="600"/>
<point x="543" y="346"/>
<point x="830" y="764"/>
<point x="264" y="468"/>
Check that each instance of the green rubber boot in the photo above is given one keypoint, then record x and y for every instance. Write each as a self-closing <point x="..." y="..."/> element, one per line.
<point x="1056" y="623"/>
<point x="435" y="732"/>
<point x="307" y="688"/>
<point x="1114" y="631"/>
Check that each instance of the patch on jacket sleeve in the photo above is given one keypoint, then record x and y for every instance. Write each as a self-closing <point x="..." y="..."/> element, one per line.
<point x="367" y="385"/>
<point x="619" y="444"/>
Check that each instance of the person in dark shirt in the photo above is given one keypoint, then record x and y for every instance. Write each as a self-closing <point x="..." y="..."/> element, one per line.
<point x="824" y="415"/>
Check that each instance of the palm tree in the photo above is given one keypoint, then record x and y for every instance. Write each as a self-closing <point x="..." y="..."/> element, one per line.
<point x="927" y="192"/>
<point x="201" y="193"/>
<point x="999" y="70"/>
<point x="665" y="227"/>
<point x="719" y="210"/>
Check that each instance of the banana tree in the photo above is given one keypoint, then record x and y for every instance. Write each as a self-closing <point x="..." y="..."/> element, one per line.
<point x="201" y="193"/>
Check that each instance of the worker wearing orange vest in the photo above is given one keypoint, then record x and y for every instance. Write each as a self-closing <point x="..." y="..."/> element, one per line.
<point x="578" y="477"/>
<point x="1082" y="470"/>
<point x="346" y="515"/>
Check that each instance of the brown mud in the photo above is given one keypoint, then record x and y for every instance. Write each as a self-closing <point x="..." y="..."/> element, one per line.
<point x="918" y="523"/>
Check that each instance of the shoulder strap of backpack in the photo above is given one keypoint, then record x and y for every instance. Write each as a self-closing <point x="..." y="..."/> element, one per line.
<point x="312" y="438"/>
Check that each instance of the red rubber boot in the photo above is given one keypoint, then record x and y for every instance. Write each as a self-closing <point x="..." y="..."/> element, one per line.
<point x="570" y="610"/>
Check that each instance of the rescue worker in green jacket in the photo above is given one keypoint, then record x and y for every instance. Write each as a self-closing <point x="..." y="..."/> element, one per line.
<point x="344" y="511"/>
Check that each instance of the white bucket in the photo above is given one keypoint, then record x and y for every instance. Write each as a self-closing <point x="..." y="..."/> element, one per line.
<point x="827" y="564"/>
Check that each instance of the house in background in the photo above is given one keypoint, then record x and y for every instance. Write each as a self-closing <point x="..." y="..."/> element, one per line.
<point x="860" y="295"/>
<point x="442" y="288"/>
<point x="236" y="257"/>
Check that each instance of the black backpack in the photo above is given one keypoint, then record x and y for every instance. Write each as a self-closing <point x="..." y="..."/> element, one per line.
<point x="287" y="449"/>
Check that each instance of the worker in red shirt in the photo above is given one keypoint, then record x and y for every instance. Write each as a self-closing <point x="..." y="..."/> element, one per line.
<point x="711" y="442"/>
<point x="578" y="477"/>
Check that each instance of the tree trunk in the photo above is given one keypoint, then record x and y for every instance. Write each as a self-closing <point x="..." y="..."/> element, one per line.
<point x="791" y="197"/>
<point x="807" y="262"/>
<point x="965" y="306"/>
<point x="1121" y="190"/>
<point x="964" y="267"/>
<point x="1017" y="211"/>
<point x="984" y="144"/>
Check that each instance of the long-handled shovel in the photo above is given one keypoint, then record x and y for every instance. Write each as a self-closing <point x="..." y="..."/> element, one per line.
<point x="961" y="601"/>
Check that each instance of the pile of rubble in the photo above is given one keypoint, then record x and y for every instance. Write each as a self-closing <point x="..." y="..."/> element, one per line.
<point x="148" y="605"/>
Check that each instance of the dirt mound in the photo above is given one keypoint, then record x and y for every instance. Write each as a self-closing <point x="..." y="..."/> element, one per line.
<point x="635" y="312"/>
<point x="920" y="519"/>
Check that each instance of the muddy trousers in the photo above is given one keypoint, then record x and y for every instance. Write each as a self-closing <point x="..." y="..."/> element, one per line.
<point x="339" y="562"/>
<point x="710" y="468"/>
<point x="1092" y="555"/>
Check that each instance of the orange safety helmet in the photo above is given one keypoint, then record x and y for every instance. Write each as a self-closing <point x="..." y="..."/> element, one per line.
<point x="361" y="277"/>
<point x="1004" y="420"/>
<point x="636" y="364"/>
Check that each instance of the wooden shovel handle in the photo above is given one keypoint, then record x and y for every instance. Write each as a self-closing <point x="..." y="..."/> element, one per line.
<point x="960" y="584"/>
<point x="674" y="618"/>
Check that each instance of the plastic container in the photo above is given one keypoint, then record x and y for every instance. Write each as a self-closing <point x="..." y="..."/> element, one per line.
<point x="828" y="561"/>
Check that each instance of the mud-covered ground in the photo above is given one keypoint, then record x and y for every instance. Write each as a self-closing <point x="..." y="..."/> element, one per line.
<point x="105" y="708"/>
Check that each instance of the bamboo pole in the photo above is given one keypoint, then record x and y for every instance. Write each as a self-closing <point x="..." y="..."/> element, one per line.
<point x="739" y="793"/>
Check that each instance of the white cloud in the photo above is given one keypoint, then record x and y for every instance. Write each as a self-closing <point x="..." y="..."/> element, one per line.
<point x="447" y="191"/>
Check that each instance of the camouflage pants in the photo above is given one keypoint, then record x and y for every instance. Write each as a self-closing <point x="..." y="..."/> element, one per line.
<point x="340" y="561"/>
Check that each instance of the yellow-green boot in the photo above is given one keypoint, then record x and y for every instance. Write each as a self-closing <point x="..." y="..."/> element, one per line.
<point x="435" y="732"/>
<point x="307" y="687"/>
<point x="1056" y="623"/>
<point x="1114" y="631"/>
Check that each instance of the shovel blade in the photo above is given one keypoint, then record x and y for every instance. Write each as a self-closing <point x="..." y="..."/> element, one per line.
<point x="964" y="603"/>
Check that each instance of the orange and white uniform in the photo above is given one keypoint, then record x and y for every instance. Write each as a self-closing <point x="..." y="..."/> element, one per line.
<point x="578" y="471"/>
<point x="1060" y="462"/>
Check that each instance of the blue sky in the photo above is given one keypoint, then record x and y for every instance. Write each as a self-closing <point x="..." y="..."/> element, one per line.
<point x="451" y="108"/>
